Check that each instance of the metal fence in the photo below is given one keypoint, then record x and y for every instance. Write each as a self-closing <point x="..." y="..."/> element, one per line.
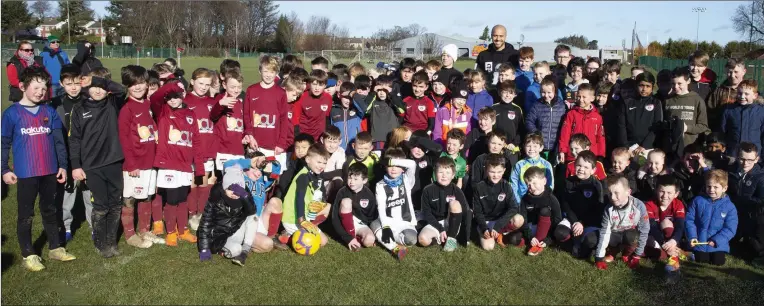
<point x="146" y="52"/>
<point x="754" y="68"/>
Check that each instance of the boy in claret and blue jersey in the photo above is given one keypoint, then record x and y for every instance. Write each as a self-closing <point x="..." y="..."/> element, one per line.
<point x="34" y="132"/>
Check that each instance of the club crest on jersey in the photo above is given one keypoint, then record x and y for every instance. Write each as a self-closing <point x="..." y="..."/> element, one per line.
<point x="209" y="108"/>
<point x="649" y="107"/>
<point x="588" y="193"/>
<point x="189" y="120"/>
<point x="423" y="164"/>
<point x="435" y="77"/>
<point x="138" y="190"/>
<point x="324" y="107"/>
<point x="45" y="120"/>
<point x="169" y="178"/>
<point x="511" y="115"/>
<point x="351" y="113"/>
<point x="463" y="92"/>
<point x="450" y="198"/>
<point x="502" y="196"/>
<point x="421" y="108"/>
<point x="289" y="115"/>
<point x="364" y="203"/>
<point x="748" y="183"/>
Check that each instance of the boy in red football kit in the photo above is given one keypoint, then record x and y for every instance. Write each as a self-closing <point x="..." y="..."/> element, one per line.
<point x="420" y="110"/>
<point x="315" y="106"/>
<point x="228" y="116"/>
<point x="175" y="155"/>
<point x="199" y="101"/>
<point x="137" y="133"/>
<point x="267" y="125"/>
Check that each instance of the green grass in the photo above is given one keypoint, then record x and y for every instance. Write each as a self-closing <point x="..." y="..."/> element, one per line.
<point x="163" y="275"/>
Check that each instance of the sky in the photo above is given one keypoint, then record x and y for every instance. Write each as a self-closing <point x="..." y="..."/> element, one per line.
<point x="609" y="22"/>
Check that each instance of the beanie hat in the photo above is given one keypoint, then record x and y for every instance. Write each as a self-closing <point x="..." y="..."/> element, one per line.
<point x="233" y="180"/>
<point x="441" y="76"/>
<point x="52" y="37"/>
<point x="460" y="91"/>
<point x="452" y="51"/>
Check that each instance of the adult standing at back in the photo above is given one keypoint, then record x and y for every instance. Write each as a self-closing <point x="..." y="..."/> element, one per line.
<point x="85" y="58"/>
<point x="498" y="52"/>
<point x="23" y="58"/>
<point x="53" y="58"/>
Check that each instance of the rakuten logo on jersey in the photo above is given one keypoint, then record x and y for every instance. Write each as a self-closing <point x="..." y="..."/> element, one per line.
<point x="38" y="130"/>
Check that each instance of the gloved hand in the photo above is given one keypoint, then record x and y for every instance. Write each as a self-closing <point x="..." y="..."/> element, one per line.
<point x="634" y="262"/>
<point x="387" y="235"/>
<point x="601" y="265"/>
<point x="310" y="227"/>
<point x="316" y="206"/>
<point x="205" y="255"/>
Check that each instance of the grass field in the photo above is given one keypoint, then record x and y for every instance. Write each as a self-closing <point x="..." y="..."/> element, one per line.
<point x="163" y="275"/>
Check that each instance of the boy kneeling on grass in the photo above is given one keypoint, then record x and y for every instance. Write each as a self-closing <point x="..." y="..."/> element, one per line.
<point x="541" y="210"/>
<point x="396" y="210"/>
<point x="442" y="205"/>
<point x="625" y="226"/>
<point x="356" y="217"/>
<point x="496" y="211"/>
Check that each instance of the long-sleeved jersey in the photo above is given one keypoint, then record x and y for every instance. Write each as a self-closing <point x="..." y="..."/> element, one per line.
<point x="633" y="215"/>
<point x="394" y="202"/>
<point x="420" y="113"/>
<point x="202" y="106"/>
<point x="493" y="202"/>
<point x="582" y="200"/>
<point x="436" y="200"/>
<point x="306" y="187"/>
<point x="511" y="120"/>
<point x="229" y="127"/>
<point x="531" y="206"/>
<point x="137" y="133"/>
<point x="266" y="117"/>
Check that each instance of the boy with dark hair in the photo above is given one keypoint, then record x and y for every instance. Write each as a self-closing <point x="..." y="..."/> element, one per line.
<point x="384" y="111"/>
<point x="714" y="151"/>
<point x="420" y="110"/>
<point x="602" y="92"/>
<point x="320" y="63"/>
<point x="746" y="190"/>
<point x="137" y="132"/>
<point x="33" y="132"/>
<point x="533" y="146"/>
<point x="689" y="170"/>
<point x="582" y="119"/>
<point x="727" y="92"/>
<point x="540" y="209"/>
<point x="698" y="66"/>
<point x="95" y="128"/>
<point x="638" y="117"/>
<point x="396" y="210"/>
<point x="443" y="203"/>
<point x="744" y="120"/>
<point x="496" y="211"/>
<point x="712" y="220"/>
<point x="495" y="144"/>
<point x="611" y="71"/>
<point x="72" y="96"/>
<point x="316" y="105"/>
<point x="667" y="223"/>
<point x="348" y="113"/>
<point x="509" y="116"/>
<point x="406" y="70"/>
<point x="582" y="201"/>
<point x="580" y="143"/>
<point x="305" y="205"/>
<point x="424" y="151"/>
<point x="625" y="226"/>
<point x="356" y="217"/>
<point x="575" y="70"/>
<point x="454" y="145"/>
<point x="524" y="75"/>
<point x="688" y="106"/>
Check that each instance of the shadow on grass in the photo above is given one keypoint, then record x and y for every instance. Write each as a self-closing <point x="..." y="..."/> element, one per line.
<point x="6" y="258"/>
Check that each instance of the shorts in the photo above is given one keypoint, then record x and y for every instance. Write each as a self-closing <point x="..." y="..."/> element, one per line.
<point x="566" y="223"/>
<point x="359" y="225"/>
<point x="281" y="158"/>
<point x="140" y="187"/>
<point x="209" y="166"/>
<point x="173" y="178"/>
<point x="290" y="228"/>
<point x="397" y="228"/>
<point x="221" y="158"/>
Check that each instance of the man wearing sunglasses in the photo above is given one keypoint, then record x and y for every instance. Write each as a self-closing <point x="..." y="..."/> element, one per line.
<point x="23" y="58"/>
<point x="53" y="58"/>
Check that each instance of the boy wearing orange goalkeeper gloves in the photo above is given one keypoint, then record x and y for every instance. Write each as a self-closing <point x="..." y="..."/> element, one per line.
<point x="305" y="201"/>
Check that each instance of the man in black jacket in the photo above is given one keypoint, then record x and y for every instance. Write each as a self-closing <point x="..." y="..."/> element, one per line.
<point x="498" y="52"/>
<point x="85" y="58"/>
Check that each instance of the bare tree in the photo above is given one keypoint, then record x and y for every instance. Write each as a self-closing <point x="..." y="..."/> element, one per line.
<point x="317" y="33"/>
<point x="172" y="20"/>
<point x="748" y="20"/>
<point x="297" y="30"/>
<point x="262" y="18"/>
<point x="390" y="38"/>
<point x="429" y="44"/>
<point x="41" y="9"/>
<point x="139" y="20"/>
<point x="339" y="37"/>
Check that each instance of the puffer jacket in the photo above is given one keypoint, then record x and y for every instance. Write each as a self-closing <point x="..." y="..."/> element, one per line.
<point x="746" y="190"/>
<point x="348" y="120"/>
<point x="447" y="119"/>
<point x="587" y="122"/>
<point x="476" y="101"/>
<point x="709" y="220"/>
<point x="743" y="123"/>
<point x="220" y="220"/>
<point x="546" y="119"/>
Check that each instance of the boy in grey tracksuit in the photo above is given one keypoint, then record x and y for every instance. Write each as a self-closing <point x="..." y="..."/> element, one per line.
<point x="625" y="226"/>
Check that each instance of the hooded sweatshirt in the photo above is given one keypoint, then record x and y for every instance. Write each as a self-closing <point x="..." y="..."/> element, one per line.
<point x="691" y="110"/>
<point x="488" y="60"/>
<point x="94" y="133"/>
<point x="383" y="115"/>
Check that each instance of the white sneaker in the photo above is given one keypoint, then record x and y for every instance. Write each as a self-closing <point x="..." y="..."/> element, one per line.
<point x="138" y="242"/>
<point x="149" y="236"/>
<point x="193" y="222"/>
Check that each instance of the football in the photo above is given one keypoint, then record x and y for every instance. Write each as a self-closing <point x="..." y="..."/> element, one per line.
<point x="305" y="243"/>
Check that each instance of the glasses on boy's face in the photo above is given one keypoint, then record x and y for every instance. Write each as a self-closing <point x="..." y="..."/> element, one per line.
<point x="745" y="160"/>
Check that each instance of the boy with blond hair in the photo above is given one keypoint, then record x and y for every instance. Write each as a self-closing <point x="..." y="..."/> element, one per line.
<point x="712" y="220"/>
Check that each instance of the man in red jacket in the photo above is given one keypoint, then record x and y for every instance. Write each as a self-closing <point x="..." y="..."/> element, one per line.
<point x="267" y="126"/>
<point x="583" y="119"/>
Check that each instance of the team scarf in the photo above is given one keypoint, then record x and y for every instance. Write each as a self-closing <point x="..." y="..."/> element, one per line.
<point x="393" y="182"/>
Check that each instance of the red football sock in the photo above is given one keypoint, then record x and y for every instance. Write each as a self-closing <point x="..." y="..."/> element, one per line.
<point x="128" y="221"/>
<point x="192" y="201"/>
<point x="156" y="208"/>
<point x="273" y="224"/>
<point x="182" y="215"/>
<point x="144" y="216"/>
<point x="542" y="228"/>
<point x="170" y="220"/>
<point x="319" y="219"/>
<point x="202" y="197"/>
<point x="347" y="223"/>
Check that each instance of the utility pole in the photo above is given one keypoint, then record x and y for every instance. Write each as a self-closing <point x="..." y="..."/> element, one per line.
<point x="103" y="38"/>
<point x="750" y="36"/>
<point x="697" y="29"/>
<point x="68" y="25"/>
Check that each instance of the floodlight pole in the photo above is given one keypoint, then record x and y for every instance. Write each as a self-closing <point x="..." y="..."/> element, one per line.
<point x="697" y="29"/>
<point x="68" y="25"/>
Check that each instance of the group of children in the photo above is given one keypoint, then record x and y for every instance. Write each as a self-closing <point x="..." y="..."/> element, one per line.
<point x="404" y="158"/>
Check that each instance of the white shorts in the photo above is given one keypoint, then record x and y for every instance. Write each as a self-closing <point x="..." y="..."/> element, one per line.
<point x="281" y="158"/>
<point x="291" y="228"/>
<point x="209" y="166"/>
<point x="221" y="158"/>
<point x="359" y="225"/>
<point x="173" y="178"/>
<point x="140" y="187"/>
<point x="566" y="223"/>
